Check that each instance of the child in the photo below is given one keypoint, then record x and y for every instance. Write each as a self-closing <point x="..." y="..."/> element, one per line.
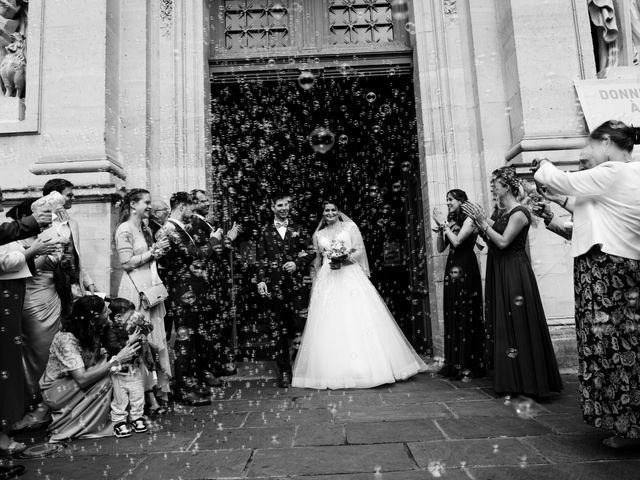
<point x="129" y="379"/>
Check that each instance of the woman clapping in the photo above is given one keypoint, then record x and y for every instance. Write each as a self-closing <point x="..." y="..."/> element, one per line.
<point x="523" y="356"/>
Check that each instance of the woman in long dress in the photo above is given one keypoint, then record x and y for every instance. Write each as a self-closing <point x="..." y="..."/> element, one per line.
<point x="137" y="254"/>
<point x="463" y="317"/>
<point x="523" y="356"/>
<point x="350" y="339"/>
<point x="606" y="250"/>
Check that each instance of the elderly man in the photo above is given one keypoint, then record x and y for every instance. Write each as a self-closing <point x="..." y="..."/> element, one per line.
<point x="159" y="214"/>
<point x="543" y="210"/>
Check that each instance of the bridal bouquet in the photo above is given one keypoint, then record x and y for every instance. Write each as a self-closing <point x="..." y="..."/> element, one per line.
<point x="337" y="254"/>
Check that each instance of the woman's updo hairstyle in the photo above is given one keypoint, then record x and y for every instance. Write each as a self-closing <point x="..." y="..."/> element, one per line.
<point x="132" y="196"/>
<point x="507" y="175"/>
<point x="618" y="132"/>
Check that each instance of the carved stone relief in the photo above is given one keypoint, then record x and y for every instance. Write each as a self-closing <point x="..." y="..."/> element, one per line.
<point x="13" y="47"/>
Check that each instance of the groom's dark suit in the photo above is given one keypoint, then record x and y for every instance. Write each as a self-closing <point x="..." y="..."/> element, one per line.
<point x="287" y="291"/>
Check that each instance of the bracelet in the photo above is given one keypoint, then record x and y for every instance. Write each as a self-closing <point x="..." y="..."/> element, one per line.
<point x="566" y="199"/>
<point x="487" y="227"/>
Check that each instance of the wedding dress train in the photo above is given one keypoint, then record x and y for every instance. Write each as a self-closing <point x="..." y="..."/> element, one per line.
<point x="351" y="339"/>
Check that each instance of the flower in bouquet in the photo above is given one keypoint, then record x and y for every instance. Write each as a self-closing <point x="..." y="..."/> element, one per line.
<point x="53" y="202"/>
<point x="337" y="253"/>
<point x="134" y="320"/>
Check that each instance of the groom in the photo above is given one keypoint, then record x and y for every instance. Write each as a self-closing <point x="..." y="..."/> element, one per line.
<point x="283" y="260"/>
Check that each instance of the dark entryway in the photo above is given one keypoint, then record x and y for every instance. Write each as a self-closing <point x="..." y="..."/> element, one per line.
<point x="261" y="131"/>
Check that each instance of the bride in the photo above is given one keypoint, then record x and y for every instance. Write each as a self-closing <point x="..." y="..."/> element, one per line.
<point x="351" y="339"/>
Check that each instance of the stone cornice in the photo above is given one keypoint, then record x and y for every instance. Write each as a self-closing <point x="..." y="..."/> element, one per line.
<point x="77" y="163"/>
<point x="542" y="143"/>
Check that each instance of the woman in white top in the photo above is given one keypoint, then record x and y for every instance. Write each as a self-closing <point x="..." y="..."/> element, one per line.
<point x="606" y="248"/>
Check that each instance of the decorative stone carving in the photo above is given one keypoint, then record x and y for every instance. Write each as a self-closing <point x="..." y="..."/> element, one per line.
<point x="166" y="17"/>
<point x="611" y="19"/>
<point x="13" y="68"/>
<point x="13" y="62"/>
<point x="450" y="7"/>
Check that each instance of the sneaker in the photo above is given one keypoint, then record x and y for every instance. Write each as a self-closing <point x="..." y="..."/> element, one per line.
<point x="139" y="425"/>
<point x="122" y="430"/>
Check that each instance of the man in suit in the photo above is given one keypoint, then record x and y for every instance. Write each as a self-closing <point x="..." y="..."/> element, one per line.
<point x="218" y="321"/>
<point x="189" y="302"/>
<point x="283" y="260"/>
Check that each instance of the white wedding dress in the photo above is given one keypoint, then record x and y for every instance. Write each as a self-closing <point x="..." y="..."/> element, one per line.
<point x="350" y="339"/>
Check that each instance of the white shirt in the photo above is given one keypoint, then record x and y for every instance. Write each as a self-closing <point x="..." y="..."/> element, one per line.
<point x="607" y="208"/>
<point x="282" y="230"/>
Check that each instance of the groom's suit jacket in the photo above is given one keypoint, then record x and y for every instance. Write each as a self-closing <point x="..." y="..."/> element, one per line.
<point x="272" y="252"/>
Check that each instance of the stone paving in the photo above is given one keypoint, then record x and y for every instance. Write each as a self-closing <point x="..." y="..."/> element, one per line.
<point x="424" y="428"/>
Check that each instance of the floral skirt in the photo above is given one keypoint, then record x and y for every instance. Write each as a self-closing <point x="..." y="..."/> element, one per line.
<point x="607" y="320"/>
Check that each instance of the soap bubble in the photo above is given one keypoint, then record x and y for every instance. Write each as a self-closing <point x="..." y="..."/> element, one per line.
<point x="322" y="140"/>
<point x="182" y="333"/>
<point x="4" y="375"/>
<point x="405" y="166"/>
<point x="306" y="80"/>
<point x="399" y="9"/>
<point x="271" y="63"/>
<point x="385" y="109"/>
<point x="344" y="69"/>
<point x="343" y="139"/>
<point x="410" y="27"/>
<point x="371" y="97"/>
<point x="512" y="352"/>
<point x="277" y="11"/>
<point x="525" y="407"/>
<point x="518" y="301"/>
<point x="465" y="375"/>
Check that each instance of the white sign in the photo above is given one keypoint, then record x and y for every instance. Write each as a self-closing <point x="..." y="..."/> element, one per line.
<point x="605" y="99"/>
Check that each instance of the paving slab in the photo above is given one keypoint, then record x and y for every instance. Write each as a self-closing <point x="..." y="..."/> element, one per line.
<point x="483" y="427"/>
<point x="408" y="398"/>
<point x="199" y="419"/>
<point x="579" y="447"/>
<point x="392" y="432"/>
<point x="448" y="474"/>
<point x="321" y="434"/>
<point x="205" y="465"/>
<point x="569" y="404"/>
<point x="420" y="382"/>
<point x="470" y="453"/>
<point x="81" y="467"/>
<point x="330" y="460"/>
<point x="321" y="400"/>
<point x="484" y="408"/>
<point x="528" y="472"/>
<point x="392" y="412"/>
<point x="568" y="471"/>
<point x="565" y="423"/>
<point x="288" y="418"/>
<point x="253" y="405"/>
<point x="241" y="438"/>
<point x="161" y="441"/>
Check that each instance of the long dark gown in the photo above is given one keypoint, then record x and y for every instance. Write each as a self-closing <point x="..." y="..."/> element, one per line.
<point x="523" y="356"/>
<point x="463" y="324"/>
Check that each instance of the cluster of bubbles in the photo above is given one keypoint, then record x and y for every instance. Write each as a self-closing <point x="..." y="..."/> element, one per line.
<point x="349" y="138"/>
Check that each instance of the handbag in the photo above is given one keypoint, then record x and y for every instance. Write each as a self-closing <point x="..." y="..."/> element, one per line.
<point x="152" y="295"/>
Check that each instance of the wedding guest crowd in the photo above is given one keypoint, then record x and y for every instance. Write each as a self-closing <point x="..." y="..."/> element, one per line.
<point x="91" y="367"/>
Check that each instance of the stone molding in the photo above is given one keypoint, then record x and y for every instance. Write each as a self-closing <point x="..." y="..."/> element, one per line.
<point x="80" y="163"/>
<point x="534" y="144"/>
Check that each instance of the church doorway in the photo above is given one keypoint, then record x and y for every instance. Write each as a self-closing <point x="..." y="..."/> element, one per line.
<point x="341" y="136"/>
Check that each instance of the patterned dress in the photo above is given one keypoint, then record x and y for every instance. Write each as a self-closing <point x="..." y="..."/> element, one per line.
<point x="607" y="297"/>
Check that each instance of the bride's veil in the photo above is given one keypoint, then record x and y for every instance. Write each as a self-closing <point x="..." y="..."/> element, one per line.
<point x="360" y="254"/>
